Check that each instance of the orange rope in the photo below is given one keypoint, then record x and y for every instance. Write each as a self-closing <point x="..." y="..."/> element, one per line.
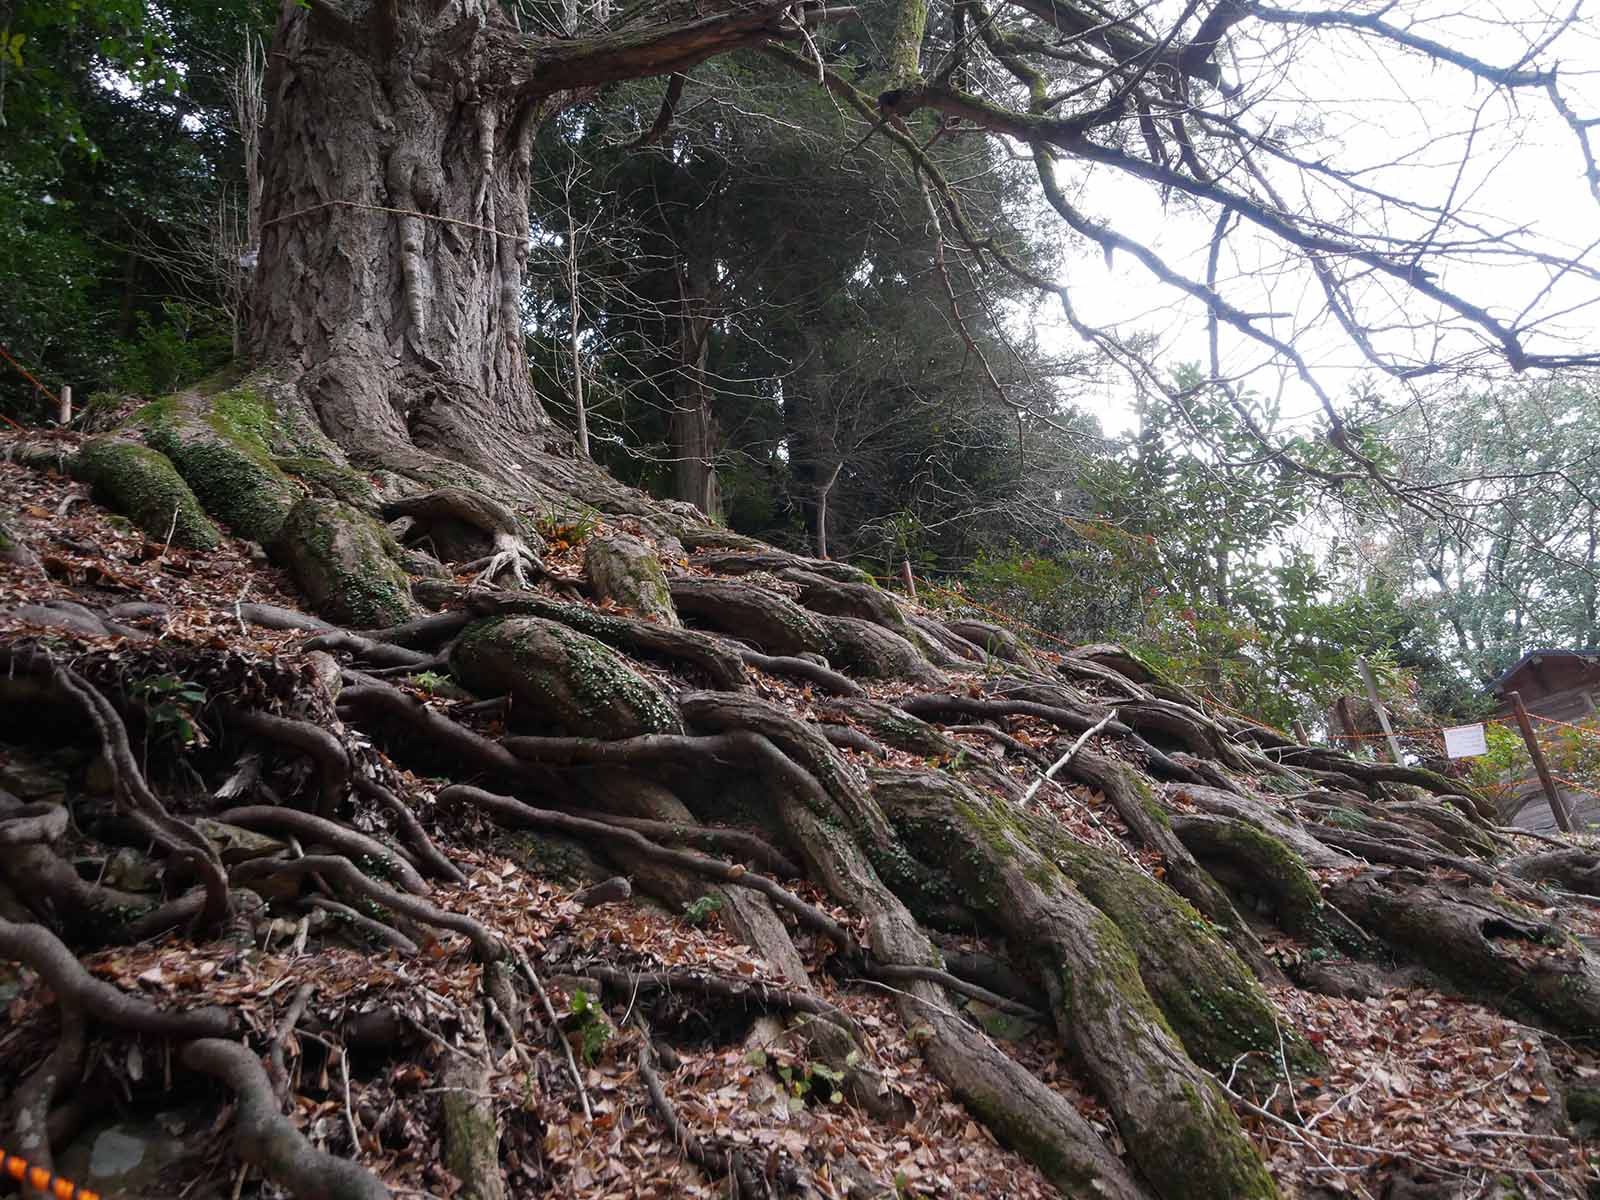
<point x="1574" y="785"/>
<point x="1399" y="733"/>
<point x="1012" y="622"/>
<point x="1563" y="724"/>
<point x="38" y="1178"/>
<point x="29" y="377"/>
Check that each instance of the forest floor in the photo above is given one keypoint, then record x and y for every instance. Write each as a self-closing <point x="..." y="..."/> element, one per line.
<point x="1424" y="1094"/>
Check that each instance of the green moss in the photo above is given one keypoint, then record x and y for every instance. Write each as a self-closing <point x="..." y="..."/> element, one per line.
<point x="1147" y="799"/>
<point x="1242" y="1174"/>
<point x="471" y="1142"/>
<point x="328" y="479"/>
<point x="1583" y="1104"/>
<point x="1041" y="1145"/>
<point x="1282" y="875"/>
<point x="222" y="451"/>
<point x="342" y="560"/>
<point x="1207" y="994"/>
<point x="243" y="414"/>
<point x="142" y="483"/>
<point x="562" y="675"/>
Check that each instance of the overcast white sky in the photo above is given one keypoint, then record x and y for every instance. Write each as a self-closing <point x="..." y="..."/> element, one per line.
<point x="1424" y="129"/>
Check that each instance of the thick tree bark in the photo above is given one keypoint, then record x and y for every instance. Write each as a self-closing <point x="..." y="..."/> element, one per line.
<point x="394" y="231"/>
<point x="394" y="220"/>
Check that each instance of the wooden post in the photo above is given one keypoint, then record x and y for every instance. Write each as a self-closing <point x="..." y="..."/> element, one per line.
<point x="1377" y="707"/>
<point x="1342" y="707"/>
<point x="910" y="579"/>
<point x="1558" y="805"/>
<point x="1299" y="731"/>
<point x="64" y="412"/>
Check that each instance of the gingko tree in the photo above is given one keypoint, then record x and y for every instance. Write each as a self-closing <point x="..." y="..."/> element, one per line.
<point x="386" y="332"/>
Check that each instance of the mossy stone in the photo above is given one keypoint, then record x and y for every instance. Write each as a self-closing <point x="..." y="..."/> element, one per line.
<point x="344" y="563"/>
<point x="142" y="483"/>
<point x="624" y="569"/>
<point x="558" y="676"/>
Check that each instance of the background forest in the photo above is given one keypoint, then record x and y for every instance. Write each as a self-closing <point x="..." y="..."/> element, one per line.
<point x="750" y="309"/>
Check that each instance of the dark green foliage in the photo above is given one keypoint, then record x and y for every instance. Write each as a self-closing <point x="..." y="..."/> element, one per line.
<point x="116" y="157"/>
<point x="829" y="337"/>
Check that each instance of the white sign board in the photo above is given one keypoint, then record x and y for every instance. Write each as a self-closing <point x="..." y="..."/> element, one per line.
<point x="1464" y="741"/>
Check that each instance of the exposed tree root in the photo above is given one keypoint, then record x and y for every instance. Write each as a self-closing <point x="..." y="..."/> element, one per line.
<point x="737" y="1165"/>
<point x="344" y="873"/>
<point x="1134" y="800"/>
<point x="1575" y="870"/>
<point x="828" y="680"/>
<point x="374" y="928"/>
<point x="461" y="524"/>
<point x="38" y="948"/>
<point x="1174" y="1121"/>
<point x="1071" y="720"/>
<point x="737" y="842"/>
<point x="38" y="1094"/>
<point x="26" y="824"/>
<point x="1138" y="956"/>
<point x="371" y="651"/>
<point x="321" y="832"/>
<point x="471" y="1132"/>
<point x="513" y="812"/>
<point x="412" y="833"/>
<point x="265" y="1138"/>
<point x="745" y="991"/>
<point x="665" y="643"/>
<point x="424" y="633"/>
<point x="1512" y="956"/>
<point x="761" y="616"/>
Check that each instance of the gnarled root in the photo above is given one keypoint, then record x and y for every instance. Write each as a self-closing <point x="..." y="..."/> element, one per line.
<point x="1174" y="1120"/>
<point x="342" y="872"/>
<point x="36" y="947"/>
<point x="265" y="1138"/>
<point x="1471" y="936"/>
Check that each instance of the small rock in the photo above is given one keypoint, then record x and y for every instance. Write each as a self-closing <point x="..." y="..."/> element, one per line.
<point x="236" y="845"/>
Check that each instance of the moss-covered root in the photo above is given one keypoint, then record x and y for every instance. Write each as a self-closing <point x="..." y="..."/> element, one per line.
<point x="760" y="615"/>
<point x="1507" y="954"/>
<point x="879" y="653"/>
<point x="558" y="676"/>
<point x="220" y="445"/>
<point x="1206" y="992"/>
<point x="343" y="561"/>
<point x="1016" y="1106"/>
<point x="1135" y="801"/>
<point x="1254" y="861"/>
<point x="1174" y="1120"/>
<point x="144" y="486"/>
<point x="471" y="1136"/>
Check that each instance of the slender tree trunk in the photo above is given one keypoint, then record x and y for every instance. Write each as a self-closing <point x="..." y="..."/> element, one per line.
<point x="822" y="509"/>
<point x="693" y="432"/>
<point x="577" y="355"/>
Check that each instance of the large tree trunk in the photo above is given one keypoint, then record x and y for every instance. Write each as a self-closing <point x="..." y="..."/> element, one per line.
<point x="394" y="233"/>
<point x="394" y="225"/>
